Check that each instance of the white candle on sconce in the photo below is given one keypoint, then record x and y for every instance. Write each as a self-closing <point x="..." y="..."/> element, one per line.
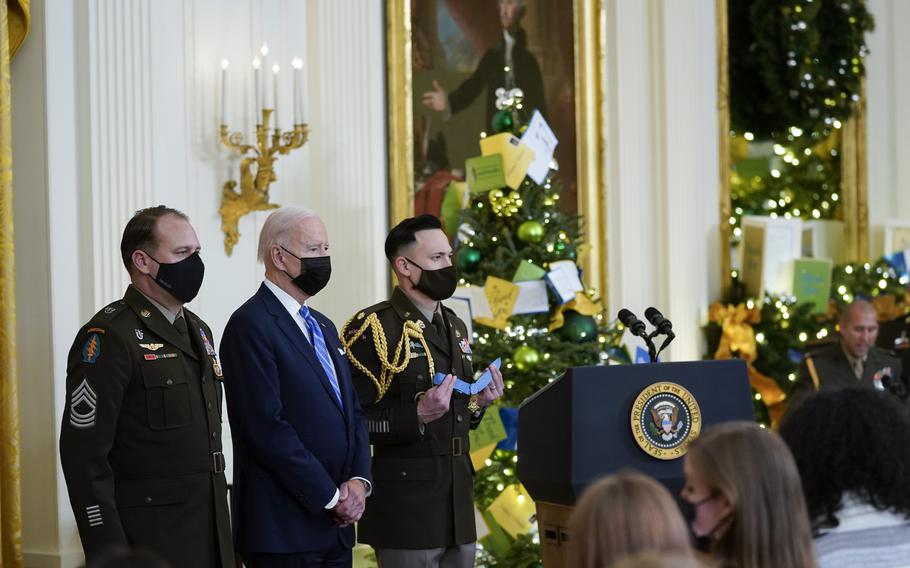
<point x="298" y="90"/>
<point x="257" y="86"/>
<point x="267" y="87"/>
<point x="224" y="90"/>
<point x="275" y="70"/>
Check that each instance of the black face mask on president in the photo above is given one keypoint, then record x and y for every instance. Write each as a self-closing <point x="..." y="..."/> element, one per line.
<point x="315" y="272"/>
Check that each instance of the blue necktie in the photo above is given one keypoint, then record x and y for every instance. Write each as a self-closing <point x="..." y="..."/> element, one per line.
<point x="322" y="352"/>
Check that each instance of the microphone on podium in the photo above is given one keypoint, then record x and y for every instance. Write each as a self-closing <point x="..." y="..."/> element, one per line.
<point x="662" y="326"/>
<point x="637" y="327"/>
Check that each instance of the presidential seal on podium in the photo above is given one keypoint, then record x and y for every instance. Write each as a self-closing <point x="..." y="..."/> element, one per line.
<point x="665" y="419"/>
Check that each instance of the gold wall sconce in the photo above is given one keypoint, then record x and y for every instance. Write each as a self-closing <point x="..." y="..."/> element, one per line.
<point x="257" y="166"/>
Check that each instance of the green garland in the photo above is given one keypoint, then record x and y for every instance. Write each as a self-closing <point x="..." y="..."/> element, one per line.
<point x="795" y="63"/>
<point x="795" y="183"/>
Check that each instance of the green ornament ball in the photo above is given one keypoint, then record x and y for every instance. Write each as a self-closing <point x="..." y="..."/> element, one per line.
<point x="530" y="232"/>
<point x="468" y="258"/>
<point x="502" y="121"/>
<point x="525" y="358"/>
<point x="578" y="328"/>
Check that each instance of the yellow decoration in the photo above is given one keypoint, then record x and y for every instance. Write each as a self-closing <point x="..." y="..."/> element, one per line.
<point x="888" y="308"/>
<point x="516" y="156"/>
<point x="479" y="456"/>
<point x="14" y="26"/>
<point x="738" y="341"/>
<point x="739" y="149"/>
<point x="581" y="304"/>
<point x="399" y="362"/>
<point x="501" y="295"/>
<point x="513" y="510"/>
<point x="489" y="431"/>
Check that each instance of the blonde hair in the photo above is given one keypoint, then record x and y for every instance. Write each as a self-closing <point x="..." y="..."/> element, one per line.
<point x="661" y="560"/>
<point x="623" y="514"/>
<point x="754" y="470"/>
<point x="278" y="227"/>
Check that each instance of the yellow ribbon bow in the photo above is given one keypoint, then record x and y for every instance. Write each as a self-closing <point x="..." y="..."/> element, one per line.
<point x="738" y="341"/>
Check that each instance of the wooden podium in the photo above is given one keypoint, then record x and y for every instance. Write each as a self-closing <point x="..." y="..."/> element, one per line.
<point x="579" y="428"/>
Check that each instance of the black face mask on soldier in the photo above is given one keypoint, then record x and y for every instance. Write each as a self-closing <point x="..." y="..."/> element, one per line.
<point x="437" y="284"/>
<point x="181" y="279"/>
<point x="315" y="272"/>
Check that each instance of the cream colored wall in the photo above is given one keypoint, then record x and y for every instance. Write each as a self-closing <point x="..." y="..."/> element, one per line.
<point x="115" y="108"/>
<point x="887" y="93"/>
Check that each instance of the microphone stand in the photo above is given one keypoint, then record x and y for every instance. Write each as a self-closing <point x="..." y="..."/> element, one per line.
<point x="670" y="337"/>
<point x="652" y="351"/>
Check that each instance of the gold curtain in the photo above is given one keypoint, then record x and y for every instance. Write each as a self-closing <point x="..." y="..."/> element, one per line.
<point x="14" y="22"/>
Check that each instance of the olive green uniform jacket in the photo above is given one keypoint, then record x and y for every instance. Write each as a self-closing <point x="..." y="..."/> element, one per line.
<point x="833" y="370"/>
<point x="140" y="442"/>
<point x="422" y="476"/>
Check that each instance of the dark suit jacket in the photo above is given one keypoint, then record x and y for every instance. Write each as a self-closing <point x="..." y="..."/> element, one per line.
<point x="490" y="75"/>
<point x="140" y="442"/>
<point x="293" y="444"/>
<point x="834" y="370"/>
<point x="423" y="492"/>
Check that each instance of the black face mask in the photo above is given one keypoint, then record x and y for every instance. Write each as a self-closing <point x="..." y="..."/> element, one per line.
<point x="315" y="272"/>
<point x="700" y="542"/>
<point x="437" y="284"/>
<point x="182" y="279"/>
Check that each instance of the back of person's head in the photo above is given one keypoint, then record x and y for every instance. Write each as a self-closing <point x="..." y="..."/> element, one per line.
<point x="854" y="441"/>
<point x="753" y="470"/>
<point x="677" y="559"/>
<point x="403" y="234"/>
<point x="623" y="514"/>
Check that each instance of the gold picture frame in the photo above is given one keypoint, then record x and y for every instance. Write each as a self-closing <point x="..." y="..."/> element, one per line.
<point x="854" y="175"/>
<point x="589" y="58"/>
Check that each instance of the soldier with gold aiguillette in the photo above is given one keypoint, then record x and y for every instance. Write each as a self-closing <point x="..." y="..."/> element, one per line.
<point x="422" y="510"/>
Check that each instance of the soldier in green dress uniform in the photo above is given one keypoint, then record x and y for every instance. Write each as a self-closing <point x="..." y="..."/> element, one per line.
<point x="852" y="361"/>
<point x="422" y="510"/>
<point x="140" y="442"/>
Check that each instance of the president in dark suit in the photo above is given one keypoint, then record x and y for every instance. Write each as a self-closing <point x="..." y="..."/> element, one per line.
<point x="301" y="448"/>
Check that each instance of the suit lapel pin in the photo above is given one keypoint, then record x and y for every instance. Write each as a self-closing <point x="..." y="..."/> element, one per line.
<point x="145" y="313"/>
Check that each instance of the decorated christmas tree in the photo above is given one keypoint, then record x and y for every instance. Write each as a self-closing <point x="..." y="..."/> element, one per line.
<point x="518" y="256"/>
